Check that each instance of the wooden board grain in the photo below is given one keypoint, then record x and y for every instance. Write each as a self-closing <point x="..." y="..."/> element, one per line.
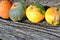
<point x="20" y="30"/>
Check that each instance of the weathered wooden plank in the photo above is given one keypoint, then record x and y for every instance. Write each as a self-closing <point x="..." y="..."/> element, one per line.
<point x="19" y="28"/>
<point x="43" y="2"/>
<point x="12" y="31"/>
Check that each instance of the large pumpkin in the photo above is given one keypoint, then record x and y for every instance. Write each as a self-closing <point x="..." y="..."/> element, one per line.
<point x="35" y="13"/>
<point x="52" y="15"/>
<point x="4" y="9"/>
<point x="17" y="11"/>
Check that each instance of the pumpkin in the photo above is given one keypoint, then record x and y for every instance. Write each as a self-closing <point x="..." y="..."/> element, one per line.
<point x="17" y="11"/>
<point x="52" y="15"/>
<point x="5" y="0"/>
<point x="4" y="9"/>
<point x="35" y="13"/>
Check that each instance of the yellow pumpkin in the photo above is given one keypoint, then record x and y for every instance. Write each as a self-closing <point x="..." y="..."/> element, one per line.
<point x="35" y="13"/>
<point x="52" y="15"/>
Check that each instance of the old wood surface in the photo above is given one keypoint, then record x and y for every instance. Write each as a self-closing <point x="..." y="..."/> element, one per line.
<point x="25" y="30"/>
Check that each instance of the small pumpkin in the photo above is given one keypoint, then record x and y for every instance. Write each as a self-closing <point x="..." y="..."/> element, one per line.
<point x="52" y="15"/>
<point x="35" y="12"/>
<point x="4" y="9"/>
<point x="17" y="11"/>
<point x="5" y="0"/>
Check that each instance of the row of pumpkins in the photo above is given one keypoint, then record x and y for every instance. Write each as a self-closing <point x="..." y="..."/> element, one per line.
<point x="35" y="12"/>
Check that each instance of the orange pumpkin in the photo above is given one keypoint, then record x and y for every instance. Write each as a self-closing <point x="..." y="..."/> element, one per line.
<point x="52" y="15"/>
<point x="4" y="9"/>
<point x="5" y="0"/>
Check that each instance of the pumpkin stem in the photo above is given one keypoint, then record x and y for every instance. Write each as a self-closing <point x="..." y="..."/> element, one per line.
<point x="31" y="7"/>
<point x="14" y="5"/>
<point x="57" y="9"/>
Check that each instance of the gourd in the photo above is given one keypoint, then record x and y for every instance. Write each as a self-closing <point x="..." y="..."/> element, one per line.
<point x="17" y="11"/>
<point x="35" y="13"/>
<point x="4" y="8"/>
<point x="52" y="15"/>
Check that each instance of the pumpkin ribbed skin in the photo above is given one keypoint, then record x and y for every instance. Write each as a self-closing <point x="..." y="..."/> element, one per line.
<point x="52" y="15"/>
<point x="35" y="13"/>
<point x="4" y="9"/>
<point x="17" y="11"/>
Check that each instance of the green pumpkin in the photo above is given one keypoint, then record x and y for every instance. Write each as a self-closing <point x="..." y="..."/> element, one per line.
<point x="17" y="11"/>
